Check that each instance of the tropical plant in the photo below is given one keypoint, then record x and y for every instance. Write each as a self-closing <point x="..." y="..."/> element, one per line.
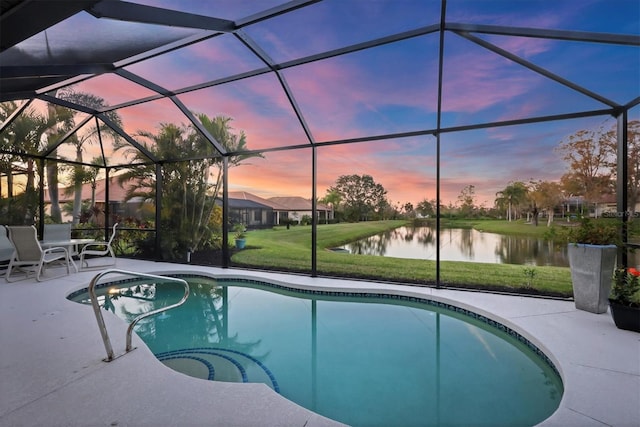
<point x="22" y="136"/>
<point x="239" y="231"/>
<point x="594" y="233"/>
<point x="190" y="187"/>
<point x="333" y="199"/>
<point x="625" y="289"/>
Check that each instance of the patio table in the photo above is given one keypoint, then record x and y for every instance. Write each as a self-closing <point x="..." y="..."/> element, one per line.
<point x="72" y="246"/>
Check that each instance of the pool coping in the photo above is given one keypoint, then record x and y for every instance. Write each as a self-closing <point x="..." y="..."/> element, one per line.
<point x="597" y="362"/>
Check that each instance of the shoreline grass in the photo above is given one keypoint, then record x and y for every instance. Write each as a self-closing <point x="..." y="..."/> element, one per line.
<point x="284" y="249"/>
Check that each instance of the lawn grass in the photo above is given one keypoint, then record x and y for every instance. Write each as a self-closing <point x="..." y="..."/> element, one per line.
<point x="290" y="250"/>
<point x="516" y="228"/>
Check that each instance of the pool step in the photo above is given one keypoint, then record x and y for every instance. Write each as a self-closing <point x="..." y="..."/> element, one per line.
<point x="219" y="364"/>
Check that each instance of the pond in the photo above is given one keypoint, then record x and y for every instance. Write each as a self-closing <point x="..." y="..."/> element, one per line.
<point x="462" y="244"/>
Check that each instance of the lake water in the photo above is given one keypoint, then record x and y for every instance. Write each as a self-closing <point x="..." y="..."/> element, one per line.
<point x="462" y="244"/>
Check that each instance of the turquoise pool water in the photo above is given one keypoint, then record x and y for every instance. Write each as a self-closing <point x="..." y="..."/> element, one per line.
<point x="370" y="360"/>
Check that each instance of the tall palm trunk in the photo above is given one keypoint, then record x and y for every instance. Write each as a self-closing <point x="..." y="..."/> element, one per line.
<point x="52" y="180"/>
<point x="30" y="189"/>
<point x="52" y="168"/>
<point x="77" y="186"/>
<point x="10" y="183"/>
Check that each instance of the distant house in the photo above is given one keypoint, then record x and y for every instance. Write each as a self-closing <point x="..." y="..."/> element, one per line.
<point x="246" y="208"/>
<point x="250" y="210"/>
<point x="607" y="207"/>
<point x="134" y="207"/>
<point x="272" y="211"/>
<point x="297" y="207"/>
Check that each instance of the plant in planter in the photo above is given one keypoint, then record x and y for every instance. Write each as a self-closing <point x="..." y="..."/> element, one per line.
<point x="624" y="301"/>
<point x="240" y="236"/>
<point x="592" y="250"/>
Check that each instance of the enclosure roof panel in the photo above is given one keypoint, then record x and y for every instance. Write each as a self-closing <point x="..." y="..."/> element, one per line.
<point x="295" y="74"/>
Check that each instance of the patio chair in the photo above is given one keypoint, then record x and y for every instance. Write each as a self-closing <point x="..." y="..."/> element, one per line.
<point x="99" y="249"/>
<point x="6" y="248"/>
<point x="58" y="233"/>
<point x="29" y="256"/>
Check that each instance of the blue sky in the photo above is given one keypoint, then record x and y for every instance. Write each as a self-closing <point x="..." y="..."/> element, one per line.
<point x="393" y="88"/>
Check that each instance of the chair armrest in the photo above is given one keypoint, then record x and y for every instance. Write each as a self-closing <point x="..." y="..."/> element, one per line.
<point x="56" y="249"/>
<point x="55" y="253"/>
<point x="94" y="244"/>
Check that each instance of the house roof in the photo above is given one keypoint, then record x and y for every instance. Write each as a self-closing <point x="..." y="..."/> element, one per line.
<point x="116" y="191"/>
<point x="297" y="203"/>
<point x="294" y="203"/>
<point x="246" y="204"/>
<point x="243" y="195"/>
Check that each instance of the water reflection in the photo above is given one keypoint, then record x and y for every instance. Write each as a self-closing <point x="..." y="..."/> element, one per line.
<point x="462" y="244"/>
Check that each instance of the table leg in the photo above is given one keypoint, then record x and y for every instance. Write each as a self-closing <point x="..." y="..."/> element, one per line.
<point x="72" y="262"/>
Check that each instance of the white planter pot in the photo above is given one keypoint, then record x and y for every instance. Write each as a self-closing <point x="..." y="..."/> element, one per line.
<point x="591" y="275"/>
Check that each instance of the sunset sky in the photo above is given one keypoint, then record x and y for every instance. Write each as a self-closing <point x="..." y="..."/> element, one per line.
<point x="389" y="89"/>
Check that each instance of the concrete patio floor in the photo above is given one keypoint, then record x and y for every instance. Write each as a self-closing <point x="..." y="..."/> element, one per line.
<point x="52" y="373"/>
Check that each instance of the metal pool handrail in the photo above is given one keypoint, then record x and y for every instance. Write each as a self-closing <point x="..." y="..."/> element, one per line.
<point x="100" y="319"/>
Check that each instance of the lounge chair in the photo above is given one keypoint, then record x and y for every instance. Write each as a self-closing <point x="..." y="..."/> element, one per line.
<point x="6" y="248"/>
<point x="99" y="249"/>
<point x="29" y="256"/>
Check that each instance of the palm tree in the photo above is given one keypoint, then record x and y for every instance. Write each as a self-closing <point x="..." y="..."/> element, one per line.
<point x="333" y="199"/>
<point x="191" y="187"/>
<point x="24" y="135"/>
<point x="512" y="197"/>
<point x="220" y="128"/>
<point x="80" y="174"/>
<point x="59" y="121"/>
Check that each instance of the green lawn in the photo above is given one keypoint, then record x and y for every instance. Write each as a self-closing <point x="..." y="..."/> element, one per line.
<point x="519" y="228"/>
<point x="290" y="250"/>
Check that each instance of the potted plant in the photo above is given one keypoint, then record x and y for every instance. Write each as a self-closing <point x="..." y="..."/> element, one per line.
<point x="624" y="301"/>
<point x="240" y="236"/>
<point x="592" y="254"/>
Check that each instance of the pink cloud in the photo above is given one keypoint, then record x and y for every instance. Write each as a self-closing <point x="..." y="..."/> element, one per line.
<point x="113" y="89"/>
<point x="289" y="174"/>
<point x="475" y="81"/>
<point x="149" y="116"/>
<point x="333" y="93"/>
<point x="525" y="47"/>
<point x="258" y="106"/>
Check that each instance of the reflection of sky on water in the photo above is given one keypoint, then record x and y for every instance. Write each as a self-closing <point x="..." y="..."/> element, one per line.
<point x="458" y="244"/>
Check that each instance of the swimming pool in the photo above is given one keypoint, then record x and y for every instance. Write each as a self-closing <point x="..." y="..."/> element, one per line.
<point x="364" y="360"/>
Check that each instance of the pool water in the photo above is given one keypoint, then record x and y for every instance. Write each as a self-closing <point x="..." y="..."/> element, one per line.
<point x="364" y="361"/>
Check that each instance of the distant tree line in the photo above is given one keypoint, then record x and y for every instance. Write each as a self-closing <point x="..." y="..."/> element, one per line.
<point x="591" y="157"/>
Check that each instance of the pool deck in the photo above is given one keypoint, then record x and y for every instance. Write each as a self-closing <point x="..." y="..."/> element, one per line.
<point x="52" y="373"/>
